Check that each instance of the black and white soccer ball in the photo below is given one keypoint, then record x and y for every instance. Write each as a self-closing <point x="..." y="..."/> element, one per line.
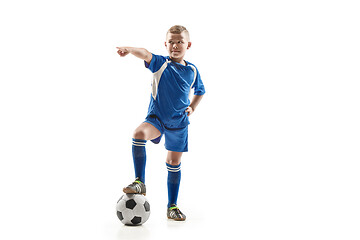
<point x="133" y="209"/>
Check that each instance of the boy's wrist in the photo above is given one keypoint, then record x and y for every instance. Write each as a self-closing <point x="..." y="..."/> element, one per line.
<point x="129" y="49"/>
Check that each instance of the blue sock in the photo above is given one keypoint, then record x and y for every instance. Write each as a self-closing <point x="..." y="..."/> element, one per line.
<point x="173" y="182"/>
<point x="139" y="157"/>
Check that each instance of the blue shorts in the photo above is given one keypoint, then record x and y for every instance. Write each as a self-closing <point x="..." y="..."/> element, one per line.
<point x="176" y="139"/>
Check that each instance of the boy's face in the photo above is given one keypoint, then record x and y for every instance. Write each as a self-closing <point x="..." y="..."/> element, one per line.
<point x="176" y="45"/>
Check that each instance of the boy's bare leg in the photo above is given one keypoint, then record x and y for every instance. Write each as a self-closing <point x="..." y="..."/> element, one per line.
<point x="174" y="158"/>
<point x="146" y="131"/>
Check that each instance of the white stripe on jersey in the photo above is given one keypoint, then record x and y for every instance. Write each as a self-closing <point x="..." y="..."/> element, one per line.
<point x="194" y="69"/>
<point x="156" y="78"/>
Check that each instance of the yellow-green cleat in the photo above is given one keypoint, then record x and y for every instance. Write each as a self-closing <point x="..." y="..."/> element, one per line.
<point x="174" y="213"/>
<point x="137" y="187"/>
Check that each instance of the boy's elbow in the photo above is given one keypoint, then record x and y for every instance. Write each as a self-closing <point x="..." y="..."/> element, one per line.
<point x="148" y="56"/>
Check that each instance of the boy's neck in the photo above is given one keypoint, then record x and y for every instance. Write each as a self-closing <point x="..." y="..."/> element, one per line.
<point x="181" y="61"/>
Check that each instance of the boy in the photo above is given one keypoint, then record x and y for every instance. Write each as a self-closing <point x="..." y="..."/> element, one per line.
<point x="168" y="112"/>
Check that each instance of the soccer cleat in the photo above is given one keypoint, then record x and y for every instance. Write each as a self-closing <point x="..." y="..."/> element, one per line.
<point x="136" y="187"/>
<point x="174" y="213"/>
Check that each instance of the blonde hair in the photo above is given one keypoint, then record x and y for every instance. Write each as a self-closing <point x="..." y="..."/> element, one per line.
<point x="178" y="29"/>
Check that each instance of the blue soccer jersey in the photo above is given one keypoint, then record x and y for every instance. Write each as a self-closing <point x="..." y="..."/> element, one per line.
<point x="171" y="87"/>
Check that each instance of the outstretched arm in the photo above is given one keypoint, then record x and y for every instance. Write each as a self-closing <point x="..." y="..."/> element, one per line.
<point x="137" y="52"/>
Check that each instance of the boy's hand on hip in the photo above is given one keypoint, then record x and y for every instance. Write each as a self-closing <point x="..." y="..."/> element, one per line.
<point x="189" y="110"/>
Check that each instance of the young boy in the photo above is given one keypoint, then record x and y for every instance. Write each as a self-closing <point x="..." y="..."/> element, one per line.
<point x="168" y="112"/>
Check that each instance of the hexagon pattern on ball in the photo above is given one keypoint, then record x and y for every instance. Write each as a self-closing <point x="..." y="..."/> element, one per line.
<point x="133" y="209"/>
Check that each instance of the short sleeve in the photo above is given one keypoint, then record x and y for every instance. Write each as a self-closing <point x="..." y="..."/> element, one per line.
<point x="198" y="86"/>
<point x="156" y="62"/>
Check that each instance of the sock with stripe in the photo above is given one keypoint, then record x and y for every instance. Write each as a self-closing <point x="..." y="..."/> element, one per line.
<point x="173" y="182"/>
<point x="139" y="157"/>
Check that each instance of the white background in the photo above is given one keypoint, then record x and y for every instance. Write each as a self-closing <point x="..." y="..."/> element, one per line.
<point x="274" y="145"/>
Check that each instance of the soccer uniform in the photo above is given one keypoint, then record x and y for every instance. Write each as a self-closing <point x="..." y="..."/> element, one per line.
<point x="171" y="87"/>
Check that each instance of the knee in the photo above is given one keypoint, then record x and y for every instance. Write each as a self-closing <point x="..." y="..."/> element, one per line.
<point x="174" y="158"/>
<point x="173" y="162"/>
<point x="139" y="134"/>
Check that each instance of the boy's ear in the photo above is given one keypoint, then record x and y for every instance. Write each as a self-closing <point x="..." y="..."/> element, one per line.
<point x="189" y="45"/>
<point x="165" y="44"/>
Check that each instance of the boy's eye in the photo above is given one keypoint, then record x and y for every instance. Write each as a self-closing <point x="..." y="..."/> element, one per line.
<point x="179" y="42"/>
